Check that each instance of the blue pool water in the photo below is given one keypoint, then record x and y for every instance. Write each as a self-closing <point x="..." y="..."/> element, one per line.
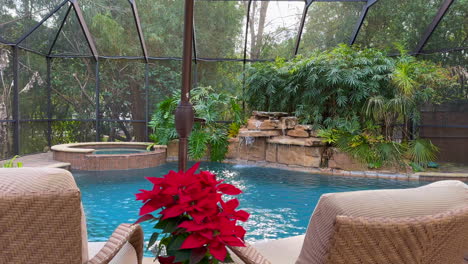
<point x="109" y="151"/>
<point x="280" y="201"/>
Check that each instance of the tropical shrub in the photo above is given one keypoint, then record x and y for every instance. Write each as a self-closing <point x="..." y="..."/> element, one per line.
<point x="413" y="82"/>
<point x="210" y="134"/>
<point x="322" y="89"/>
<point x="421" y="151"/>
<point x="370" y="147"/>
<point x="345" y="84"/>
<point x="367" y="146"/>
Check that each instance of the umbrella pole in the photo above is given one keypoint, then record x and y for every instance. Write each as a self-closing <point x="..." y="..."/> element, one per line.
<point x="184" y="115"/>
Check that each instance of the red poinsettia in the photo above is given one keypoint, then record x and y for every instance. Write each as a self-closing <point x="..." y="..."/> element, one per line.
<point x="195" y="221"/>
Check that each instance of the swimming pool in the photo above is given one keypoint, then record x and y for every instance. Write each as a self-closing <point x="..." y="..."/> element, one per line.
<point x="280" y="201"/>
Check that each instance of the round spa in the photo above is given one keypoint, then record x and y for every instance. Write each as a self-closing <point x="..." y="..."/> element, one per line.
<point x="98" y="156"/>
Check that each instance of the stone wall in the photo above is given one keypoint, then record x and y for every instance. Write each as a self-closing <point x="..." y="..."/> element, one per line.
<point x="275" y="137"/>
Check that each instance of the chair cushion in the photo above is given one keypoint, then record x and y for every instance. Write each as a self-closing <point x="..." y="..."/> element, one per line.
<point x="426" y="200"/>
<point x="281" y="251"/>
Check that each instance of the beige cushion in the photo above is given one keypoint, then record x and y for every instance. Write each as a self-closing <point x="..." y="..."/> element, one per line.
<point x="281" y="251"/>
<point x="94" y="247"/>
<point x="427" y="200"/>
<point x="126" y="255"/>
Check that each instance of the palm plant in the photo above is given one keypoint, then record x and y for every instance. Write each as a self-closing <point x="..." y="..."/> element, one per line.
<point x="321" y="89"/>
<point x="412" y="83"/>
<point x="208" y="135"/>
<point x="421" y="151"/>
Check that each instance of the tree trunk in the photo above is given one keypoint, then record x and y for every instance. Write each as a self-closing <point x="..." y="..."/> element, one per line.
<point x="256" y="36"/>
<point x="261" y="29"/>
<point x="252" y="28"/>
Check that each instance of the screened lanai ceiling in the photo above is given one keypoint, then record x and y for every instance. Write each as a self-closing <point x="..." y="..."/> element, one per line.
<point x="230" y="30"/>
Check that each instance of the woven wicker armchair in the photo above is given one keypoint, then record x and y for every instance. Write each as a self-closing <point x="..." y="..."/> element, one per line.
<point x="425" y="225"/>
<point x="42" y="221"/>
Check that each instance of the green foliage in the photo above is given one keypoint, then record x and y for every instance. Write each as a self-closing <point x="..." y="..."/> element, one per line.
<point x="162" y="121"/>
<point x="416" y="167"/>
<point x="321" y="89"/>
<point x="11" y="163"/>
<point x="207" y="137"/>
<point x="346" y="86"/>
<point x="70" y="132"/>
<point x="371" y="148"/>
<point x="421" y="151"/>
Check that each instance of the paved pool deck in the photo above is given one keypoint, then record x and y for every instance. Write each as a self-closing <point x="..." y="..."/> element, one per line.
<point x="40" y="160"/>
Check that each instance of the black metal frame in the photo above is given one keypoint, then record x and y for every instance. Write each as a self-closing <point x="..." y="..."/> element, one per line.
<point x="435" y="22"/>
<point x="362" y="17"/>
<point x="74" y="4"/>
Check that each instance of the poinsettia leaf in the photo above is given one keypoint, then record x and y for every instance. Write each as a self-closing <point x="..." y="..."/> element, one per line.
<point x="171" y="225"/>
<point x="144" y="218"/>
<point x="161" y="224"/>
<point x="168" y="225"/>
<point x="182" y="255"/>
<point x="152" y="240"/>
<point x="177" y="242"/>
<point x="228" y="259"/>
<point x="197" y="255"/>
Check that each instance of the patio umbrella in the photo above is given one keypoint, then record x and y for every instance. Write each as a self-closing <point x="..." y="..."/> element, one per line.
<point x="184" y="115"/>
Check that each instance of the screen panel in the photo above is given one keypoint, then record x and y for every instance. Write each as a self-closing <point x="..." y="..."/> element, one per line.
<point x="164" y="78"/>
<point x="64" y="132"/>
<point x="220" y="28"/>
<point x="32" y="86"/>
<point x="41" y="39"/>
<point x="122" y="92"/>
<point x="122" y="131"/>
<point x="224" y="77"/>
<point x="273" y="28"/>
<point x="6" y="83"/>
<point x="452" y="31"/>
<point x="33" y="137"/>
<point x="73" y="83"/>
<point x="394" y="21"/>
<point x="329" y="24"/>
<point x="112" y="26"/>
<point x="6" y="140"/>
<point x="18" y="17"/>
<point x="162" y="25"/>
<point x="71" y="39"/>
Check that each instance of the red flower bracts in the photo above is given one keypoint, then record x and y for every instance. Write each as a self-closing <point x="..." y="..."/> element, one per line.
<point x="197" y="224"/>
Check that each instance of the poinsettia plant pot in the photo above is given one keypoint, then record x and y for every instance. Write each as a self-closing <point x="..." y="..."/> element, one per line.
<point x="194" y="223"/>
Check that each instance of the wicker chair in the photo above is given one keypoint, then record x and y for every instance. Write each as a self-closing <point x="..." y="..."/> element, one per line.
<point x="425" y="225"/>
<point x="42" y="221"/>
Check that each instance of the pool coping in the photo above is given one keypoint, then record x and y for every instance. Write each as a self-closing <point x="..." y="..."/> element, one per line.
<point x="81" y="156"/>
<point x="75" y="147"/>
<point x="360" y="174"/>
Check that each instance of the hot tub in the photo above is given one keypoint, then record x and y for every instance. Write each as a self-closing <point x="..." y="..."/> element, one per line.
<point x="99" y="156"/>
